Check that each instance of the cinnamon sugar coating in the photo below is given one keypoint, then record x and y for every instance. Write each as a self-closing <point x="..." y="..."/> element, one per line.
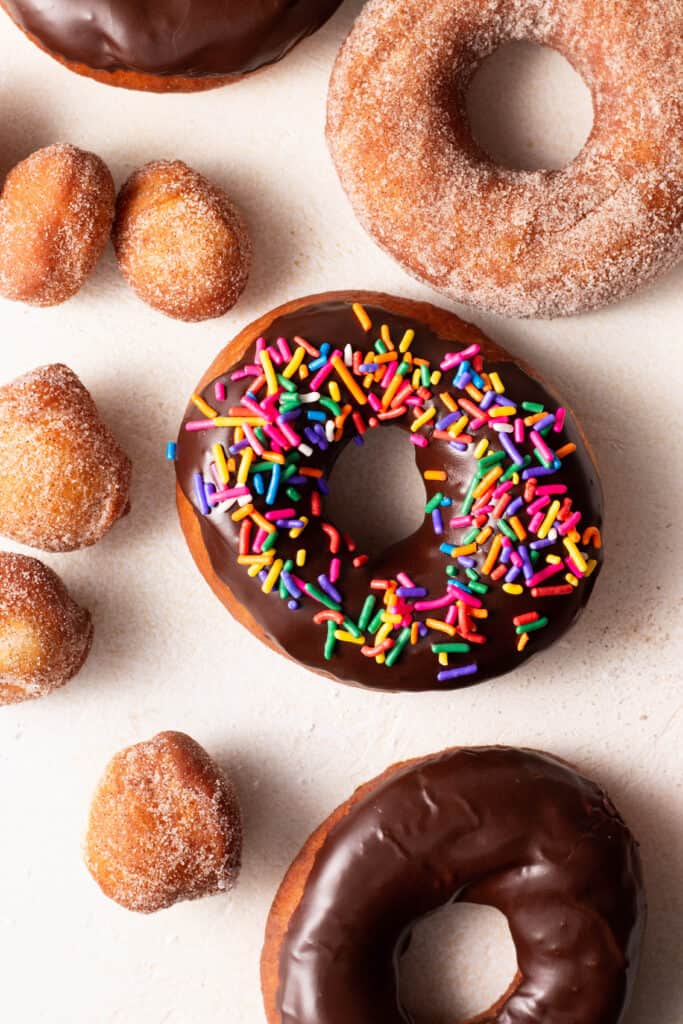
<point x="56" y="212"/>
<point x="520" y="243"/>
<point x="64" y="480"/>
<point x="44" y="635"/>
<point x="180" y="242"/>
<point x="164" y="825"/>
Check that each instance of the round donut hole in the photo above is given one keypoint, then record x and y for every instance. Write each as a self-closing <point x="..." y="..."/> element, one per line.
<point x="377" y="495"/>
<point x="460" y="962"/>
<point x="528" y="108"/>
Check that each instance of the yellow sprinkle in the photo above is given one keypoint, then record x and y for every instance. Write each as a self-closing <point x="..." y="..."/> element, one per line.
<point x="492" y="556"/>
<point x="221" y="464"/>
<point x="480" y="450"/>
<point x="435" y="474"/>
<point x="440" y="627"/>
<point x="516" y="524"/>
<point x="443" y="659"/>
<point x="483" y="535"/>
<point x="296" y="531"/>
<point x="382" y="633"/>
<point x="301" y="557"/>
<point x="515" y="479"/>
<point x="591" y="565"/>
<point x="550" y="518"/>
<point x="385" y="335"/>
<point x="349" y="638"/>
<point x="566" y="449"/>
<point x="448" y="401"/>
<point x="388" y="396"/>
<point x="571" y="578"/>
<point x="416" y="379"/>
<point x="513" y="588"/>
<point x="272" y="577"/>
<point x="262" y="522"/>
<point x="362" y="316"/>
<point x="466" y="549"/>
<point x="269" y="371"/>
<point x="238" y="435"/>
<point x="367" y="381"/>
<point x="522" y="642"/>
<point x="381" y="658"/>
<point x="273" y="457"/>
<point x="502" y="410"/>
<point x="238" y="421"/>
<point x="435" y="378"/>
<point x="393" y="619"/>
<point x="335" y="393"/>
<point x="487" y="481"/>
<point x="242" y="513"/>
<point x="406" y="340"/>
<point x="264" y="559"/>
<point x="254" y="570"/>
<point x="553" y="559"/>
<point x="496" y="383"/>
<point x="575" y="554"/>
<point x="245" y="465"/>
<point x="204" y="406"/>
<point x="424" y="418"/>
<point x="351" y="384"/>
<point x="458" y="427"/>
<point x="294" y="363"/>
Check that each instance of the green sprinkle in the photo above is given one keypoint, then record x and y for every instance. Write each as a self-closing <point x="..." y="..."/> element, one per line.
<point x="507" y="530"/>
<point x="472" y="574"/>
<point x="380" y="347"/>
<point x="541" y="458"/>
<point x="531" y="627"/>
<point x="394" y="653"/>
<point x="532" y="407"/>
<point x="451" y="570"/>
<point x="451" y="648"/>
<point x="293" y="494"/>
<point x="469" y="497"/>
<point x="261" y="467"/>
<point x="470" y="535"/>
<point x="404" y="369"/>
<point x="433" y="503"/>
<point x="491" y="460"/>
<point x="330" y="404"/>
<point x="270" y="541"/>
<point x="321" y="596"/>
<point x="376" y="621"/>
<point x="425" y="378"/>
<point x="479" y="588"/>
<point x="330" y="642"/>
<point x="516" y="467"/>
<point x="366" y="612"/>
<point x="288" y="385"/>
<point x="352" y="628"/>
<point x="288" y="471"/>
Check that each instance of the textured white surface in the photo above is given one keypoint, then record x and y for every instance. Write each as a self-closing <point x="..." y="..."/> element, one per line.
<point x="166" y="655"/>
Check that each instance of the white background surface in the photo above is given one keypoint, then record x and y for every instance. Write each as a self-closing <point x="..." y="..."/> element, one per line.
<point x="166" y="655"/>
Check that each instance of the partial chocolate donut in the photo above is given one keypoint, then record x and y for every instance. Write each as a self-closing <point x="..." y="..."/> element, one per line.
<point x="517" y="830"/>
<point x="164" y="826"/>
<point x="44" y="635"/>
<point x="168" y="46"/>
<point x="510" y="545"/>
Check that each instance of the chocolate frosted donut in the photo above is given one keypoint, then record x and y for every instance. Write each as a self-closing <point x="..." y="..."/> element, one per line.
<point x="171" y="45"/>
<point x="510" y="545"/>
<point x="513" y="829"/>
<point x="521" y="243"/>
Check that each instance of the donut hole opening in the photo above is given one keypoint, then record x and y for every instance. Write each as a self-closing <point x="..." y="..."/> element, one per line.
<point x="376" y="492"/>
<point x="528" y="108"/>
<point x="460" y="962"/>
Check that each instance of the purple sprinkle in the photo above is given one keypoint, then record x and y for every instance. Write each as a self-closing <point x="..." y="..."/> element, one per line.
<point x="505" y="554"/>
<point x="201" y="494"/>
<point x="293" y="605"/>
<point x="538" y="471"/>
<point x="467" y="561"/>
<point x="263" y="575"/>
<point x="455" y="673"/>
<point x="289" y="583"/>
<point x="488" y="400"/>
<point x="411" y="592"/>
<point x="452" y="417"/>
<point x="510" y="448"/>
<point x="514" y="507"/>
<point x="512" y="575"/>
<point x="358" y="440"/>
<point x="536" y="545"/>
<point x="329" y="589"/>
<point x="458" y="445"/>
<point x="287" y="417"/>
<point x="437" y="522"/>
<point x="422" y="630"/>
<point x="547" y="421"/>
<point x="322" y="485"/>
<point x="290" y="524"/>
<point x="504" y="400"/>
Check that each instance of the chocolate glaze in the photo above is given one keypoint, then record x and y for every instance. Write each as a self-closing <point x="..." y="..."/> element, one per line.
<point x="203" y="38"/>
<point x="513" y="829"/>
<point x="418" y="555"/>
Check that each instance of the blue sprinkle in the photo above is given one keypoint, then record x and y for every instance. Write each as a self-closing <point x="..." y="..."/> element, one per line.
<point x="259" y="485"/>
<point x="170" y="451"/>
<point x="274" y="484"/>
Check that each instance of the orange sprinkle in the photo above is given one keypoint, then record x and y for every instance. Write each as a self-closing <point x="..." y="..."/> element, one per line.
<point x="440" y="626"/>
<point x="492" y="556"/>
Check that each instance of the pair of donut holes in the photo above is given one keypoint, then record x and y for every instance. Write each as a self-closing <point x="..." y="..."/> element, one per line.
<point x="180" y="242"/>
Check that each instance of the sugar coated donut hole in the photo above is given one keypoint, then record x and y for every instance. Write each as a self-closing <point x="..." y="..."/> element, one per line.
<point x="64" y="480"/>
<point x="44" y="635"/>
<point x="164" y="825"/>
<point x="180" y="242"/>
<point x="56" y="212"/>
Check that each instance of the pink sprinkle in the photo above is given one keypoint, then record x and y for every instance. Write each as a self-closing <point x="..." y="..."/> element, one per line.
<point x="253" y="406"/>
<point x="519" y="430"/>
<point x="389" y="373"/>
<point x="335" y="569"/>
<point x="216" y="476"/>
<point x="322" y="375"/>
<point x="547" y="454"/>
<point x="228" y="493"/>
<point x="404" y="579"/>
<point x="200" y="425"/>
<point x="544" y="574"/>
<point x="289" y="433"/>
<point x="277" y="437"/>
<point x="260" y="344"/>
<point x="457" y="522"/>
<point x="374" y="402"/>
<point x="455" y="358"/>
<point x="284" y="349"/>
<point x="477" y="424"/>
<point x="573" y="567"/>
<point x="437" y="602"/>
<point x="551" y="489"/>
<point x="466" y="598"/>
<point x="569" y="524"/>
<point x="537" y="505"/>
<point x="503" y="488"/>
<point x="560" y="416"/>
<point x="516" y="560"/>
<point x="253" y="439"/>
<point x="259" y="541"/>
<point x="452" y="615"/>
<point x="219" y="391"/>
<point x="275" y="356"/>
<point x="281" y="513"/>
<point x="419" y="440"/>
<point x="414" y="400"/>
<point x="536" y="522"/>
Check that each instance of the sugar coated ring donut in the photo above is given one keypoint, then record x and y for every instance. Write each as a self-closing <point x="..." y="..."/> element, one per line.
<point x="542" y="243"/>
<point x="513" y="829"/>
<point x="510" y="545"/>
<point x="168" y="46"/>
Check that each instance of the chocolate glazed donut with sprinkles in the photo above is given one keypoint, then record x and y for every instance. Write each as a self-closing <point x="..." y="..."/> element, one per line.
<point x="510" y="546"/>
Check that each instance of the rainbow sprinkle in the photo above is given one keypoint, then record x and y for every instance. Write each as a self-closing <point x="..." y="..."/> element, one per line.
<point x="516" y="528"/>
